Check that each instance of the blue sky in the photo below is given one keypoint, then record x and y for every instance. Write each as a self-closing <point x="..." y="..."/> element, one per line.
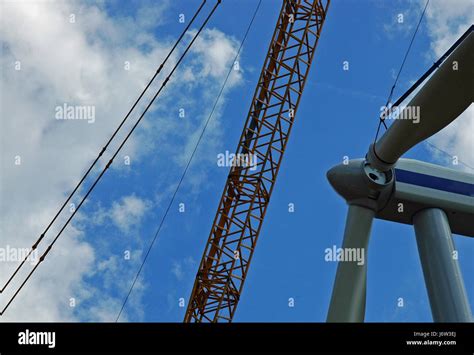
<point x="337" y="117"/>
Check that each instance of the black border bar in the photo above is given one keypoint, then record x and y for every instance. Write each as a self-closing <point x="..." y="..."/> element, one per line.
<point x="261" y="337"/>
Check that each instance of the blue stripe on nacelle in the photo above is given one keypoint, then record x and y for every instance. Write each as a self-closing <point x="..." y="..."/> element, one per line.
<point x="434" y="182"/>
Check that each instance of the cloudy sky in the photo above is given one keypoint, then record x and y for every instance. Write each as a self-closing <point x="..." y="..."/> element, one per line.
<point x="101" y="55"/>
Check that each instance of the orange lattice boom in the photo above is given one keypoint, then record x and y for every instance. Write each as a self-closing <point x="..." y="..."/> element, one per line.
<point x="248" y="189"/>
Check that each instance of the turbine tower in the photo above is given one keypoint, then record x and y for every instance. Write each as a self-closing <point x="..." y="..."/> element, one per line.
<point x="436" y="200"/>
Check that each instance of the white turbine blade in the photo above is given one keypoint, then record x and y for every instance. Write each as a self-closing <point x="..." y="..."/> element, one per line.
<point x="448" y="93"/>
<point x="349" y="292"/>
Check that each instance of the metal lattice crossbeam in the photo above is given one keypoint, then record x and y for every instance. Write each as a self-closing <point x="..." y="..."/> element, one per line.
<point x="243" y="204"/>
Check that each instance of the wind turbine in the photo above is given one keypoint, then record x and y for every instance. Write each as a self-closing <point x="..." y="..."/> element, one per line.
<point x="436" y="200"/>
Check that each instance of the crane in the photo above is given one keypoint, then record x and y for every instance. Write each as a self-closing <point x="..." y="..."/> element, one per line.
<point x="242" y="207"/>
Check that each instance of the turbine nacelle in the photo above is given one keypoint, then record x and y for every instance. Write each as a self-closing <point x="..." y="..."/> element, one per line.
<point x="411" y="186"/>
<point x="360" y="184"/>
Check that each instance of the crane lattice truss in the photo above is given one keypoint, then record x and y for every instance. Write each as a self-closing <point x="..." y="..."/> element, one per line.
<point x="247" y="192"/>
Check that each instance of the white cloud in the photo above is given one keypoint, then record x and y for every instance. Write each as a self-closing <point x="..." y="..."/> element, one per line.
<point x="125" y="213"/>
<point x="128" y="212"/>
<point x="177" y="270"/>
<point x="446" y="22"/>
<point x="457" y="140"/>
<point x="184" y="267"/>
<point x="215" y="51"/>
<point x="81" y="63"/>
